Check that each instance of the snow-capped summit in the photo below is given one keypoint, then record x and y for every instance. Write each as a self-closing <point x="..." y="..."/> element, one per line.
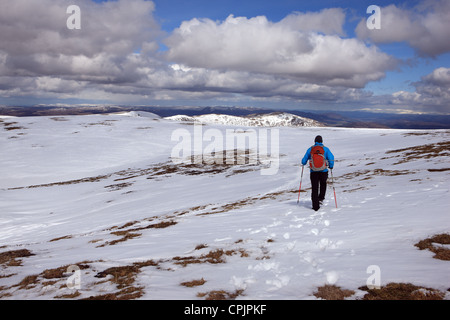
<point x="276" y="119"/>
<point x="143" y="114"/>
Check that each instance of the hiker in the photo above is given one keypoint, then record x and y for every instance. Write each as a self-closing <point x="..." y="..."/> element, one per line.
<point x="320" y="159"/>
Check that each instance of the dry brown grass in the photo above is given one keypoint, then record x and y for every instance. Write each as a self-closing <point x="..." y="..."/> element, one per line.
<point x="48" y="277"/>
<point x="9" y="126"/>
<point x="391" y="173"/>
<point x="131" y="233"/>
<point x="72" y="295"/>
<point x="391" y="291"/>
<point x="402" y="291"/>
<point x="122" y="276"/>
<point x="438" y="170"/>
<point x="200" y="246"/>
<point x="243" y="161"/>
<point x="213" y="257"/>
<point x="128" y="293"/>
<point x="193" y="283"/>
<point x="61" y="238"/>
<point x="60" y="272"/>
<point x="201" y="210"/>
<point x="64" y="183"/>
<point x="59" y="119"/>
<point x="118" y="186"/>
<point x="432" y="244"/>
<point x="427" y="151"/>
<point x="13" y="128"/>
<point x="369" y="174"/>
<point x="126" y="236"/>
<point x="11" y="258"/>
<point x="220" y="295"/>
<point x="332" y="292"/>
<point x="249" y="201"/>
<point x="28" y="282"/>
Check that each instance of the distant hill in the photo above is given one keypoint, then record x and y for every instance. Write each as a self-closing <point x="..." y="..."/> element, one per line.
<point x="349" y="119"/>
<point x="274" y="119"/>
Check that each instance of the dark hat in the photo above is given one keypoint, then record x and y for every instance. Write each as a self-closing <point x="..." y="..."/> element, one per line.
<point x="318" y="139"/>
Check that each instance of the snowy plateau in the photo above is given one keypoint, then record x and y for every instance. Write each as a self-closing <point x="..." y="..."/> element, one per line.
<point x="280" y="119"/>
<point x="92" y="206"/>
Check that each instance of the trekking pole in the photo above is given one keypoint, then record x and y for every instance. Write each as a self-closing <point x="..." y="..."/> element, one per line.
<point x="332" y="181"/>
<point x="299" y="189"/>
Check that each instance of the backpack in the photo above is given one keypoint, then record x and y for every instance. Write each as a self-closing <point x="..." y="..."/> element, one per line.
<point x="318" y="161"/>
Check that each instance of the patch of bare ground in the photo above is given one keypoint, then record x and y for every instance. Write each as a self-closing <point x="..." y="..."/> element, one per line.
<point x="126" y="232"/>
<point x="132" y="233"/>
<point x="402" y="291"/>
<point x="118" y="186"/>
<point x="206" y="166"/>
<point x="12" y="258"/>
<point x="198" y="165"/>
<point x="61" y="238"/>
<point x="436" y="244"/>
<point x="220" y="295"/>
<point x="59" y="119"/>
<point x="369" y="174"/>
<point x="64" y="183"/>
<point x="426" y="133"/>
<point x="354" y="189"/>
<point x="391" y="173"/>
<point x="124" y="278"/>
<point x="353" y="175"/>
<point x="100" y="123"/>
<point x="129" y="293"/>
<point x="9" y="126"/>
<point x="48" y="277"/>
<point x="72" y="295"/>
<point x="238" y="204"/>
<point x="201" y="246"/>
<point x="193" y="283"/>
<point x="439" y="170"/>
<point x="213" y="257"/>
<point x="125" y="235"/>
<point x="427" y="151"/>
<point x="61" y="272"/>
<point x="332" y="292"/>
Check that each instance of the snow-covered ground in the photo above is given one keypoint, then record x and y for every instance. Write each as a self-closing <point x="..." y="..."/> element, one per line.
<point x="101" y="191"/>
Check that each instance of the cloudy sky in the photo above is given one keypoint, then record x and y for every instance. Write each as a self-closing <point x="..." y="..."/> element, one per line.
<point x="276" y="53"/>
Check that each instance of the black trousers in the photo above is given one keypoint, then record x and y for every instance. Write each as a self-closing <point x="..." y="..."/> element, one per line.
<point x="319" y="188"/>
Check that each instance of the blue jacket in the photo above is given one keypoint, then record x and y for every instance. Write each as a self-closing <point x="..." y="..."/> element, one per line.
<point x="328" y="155"/>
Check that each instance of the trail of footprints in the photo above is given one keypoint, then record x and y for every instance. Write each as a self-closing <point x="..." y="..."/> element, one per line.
<point x="297" y="238"/>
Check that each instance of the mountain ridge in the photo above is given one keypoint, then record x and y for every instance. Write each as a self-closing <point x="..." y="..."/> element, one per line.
<point x="331" y="118"/>
<point x="275" y="119"/>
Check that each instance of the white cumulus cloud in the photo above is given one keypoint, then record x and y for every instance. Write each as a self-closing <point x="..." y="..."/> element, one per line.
<point x="287" y="48"/>
<point x="424" y="27"/>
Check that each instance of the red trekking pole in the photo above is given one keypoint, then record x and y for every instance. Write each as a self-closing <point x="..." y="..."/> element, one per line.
<point x="299" y="189"/>
<point x="332" y="181"/>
